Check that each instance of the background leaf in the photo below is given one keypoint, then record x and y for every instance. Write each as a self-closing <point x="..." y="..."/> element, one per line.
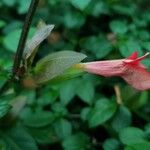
<point x="63" y="128"/>
<point x="111" y="144"/>
<point x="85" y="90"/>
<point x="118" y="27"/>
<point x="102" y="112"/>
<point x="17" y="138"/>
<point x="67" y="91"/>
<point x="132" y="135"/>
<point x="78" y="141"/>
<point x="80" y="4"/>
<point x="121" y="119"/>
<point x="4" y="108"/>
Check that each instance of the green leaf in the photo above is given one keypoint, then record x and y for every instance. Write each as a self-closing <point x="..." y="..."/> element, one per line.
<point x="85" y="90"/>
<point x="17" y="105"/>
<point x="84" y="113"/>
<point x="49" y="96"/>
<point x="59" y="110"/>
<point x="55" y="64"/>
<point x="31" y="46"/>
<point x="2" y="145"/>
<point x="111" y="144"/>
<point x="12" y="38"/>
<point x="128" y="47"/>
<point x="67" y="75"/>
<point x="99" y="46"/>
<point x="23" y="6"/>
<point x="139" y="146"/>
<point x="79" y="141"/>
<point x="132" y="135"/>
<point x="44" y="135"/>
<point x="103" y="111"/>
<point x="67" y="91"/>
<point x="37" y="119"/>
<point x="146" y="45"/>
<point x="63" y="128"/>
<point x="80" y="4"/>
<point x="4" y="108"/>
<point x="126" y="10"/>
<point x="73" y="20"/>
<point x="97" y="9"/>
<point x="143" y="35"/>
<point x="9" y="2"/>
<point x="121" y="119"/>
<point x="118" y="27"/>
<point x="17" y="138"/>
<point x="2" y="23"/>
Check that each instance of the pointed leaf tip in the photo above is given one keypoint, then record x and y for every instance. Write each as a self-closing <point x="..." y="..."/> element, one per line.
<point x="134" y="55"/>
<point x="31" y="46"/>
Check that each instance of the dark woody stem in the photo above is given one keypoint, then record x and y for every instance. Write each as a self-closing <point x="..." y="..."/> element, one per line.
<point x="23" y="37"/>
<point x="21" y="45"/>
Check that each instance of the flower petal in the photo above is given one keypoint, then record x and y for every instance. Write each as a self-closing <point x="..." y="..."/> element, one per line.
<point x="138" y="77"/>
<point x="133" y="56"/>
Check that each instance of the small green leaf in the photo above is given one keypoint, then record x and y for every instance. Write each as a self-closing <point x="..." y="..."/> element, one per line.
<point x="128" y="47"/>
<point x="37" y="119"/>
<point x="85" y="90"/>
<point x="118" y="27"/>
<point x="17" y="138"/>
<point x="12" y="38"/>
<point x="146" y="45"/>
<point x="44" y="135"/>
<point x="99" y="46"/>
<point x="49" y="96"/>
<point x="67" y="91"/>
<point x="9" y="2"/>
<point x="103" y="111"/>
<point x="23" y="6"/>
<point x="59" y="110"/>
<point x="73" y="20"/>
<point x="80" y="4"/>
<point x="132" y="135"/>
<point x="55" y="64"/>
<point x="17" y="105"/>
<point x="139" y="146"/>
<point x="111" y="144"/>
<point x="63" y="128"/>
<point x="79" y="141"/>
<point x="84" y="113"/>
<point x="121" y="119"/>
<point x="2" y="23"/>
<point x="4" y="108"/>
<point x="97" y="9"/>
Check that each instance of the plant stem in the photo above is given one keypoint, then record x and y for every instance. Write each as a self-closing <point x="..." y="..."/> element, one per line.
<point x="23" y="37"/>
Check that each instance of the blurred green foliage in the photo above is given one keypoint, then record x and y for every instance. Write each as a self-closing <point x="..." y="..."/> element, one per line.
<point x="82" y="113"/>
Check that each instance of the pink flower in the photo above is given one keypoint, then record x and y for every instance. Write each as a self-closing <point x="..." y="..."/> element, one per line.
<point x="130" y="69"/>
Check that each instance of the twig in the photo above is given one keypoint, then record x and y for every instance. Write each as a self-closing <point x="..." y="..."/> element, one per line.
<point x="118" y="94"/>
<point x="23" y="37"/>
<point x="22" y="41"/>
